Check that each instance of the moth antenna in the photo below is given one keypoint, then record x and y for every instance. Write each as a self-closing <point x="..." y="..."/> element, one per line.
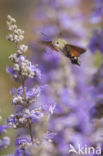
<point x="44" y="34"/>
<point x="47" y="37"/>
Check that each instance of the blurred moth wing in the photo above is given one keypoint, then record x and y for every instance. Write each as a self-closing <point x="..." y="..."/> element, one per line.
<point x="50" y="44"/>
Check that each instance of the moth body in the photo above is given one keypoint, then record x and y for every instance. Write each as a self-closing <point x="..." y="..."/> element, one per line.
<point x="63" y="46"/>
<point x="70" y="51"/>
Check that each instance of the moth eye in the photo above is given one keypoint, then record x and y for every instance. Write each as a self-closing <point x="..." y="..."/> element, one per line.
<point x="57" y="42"/>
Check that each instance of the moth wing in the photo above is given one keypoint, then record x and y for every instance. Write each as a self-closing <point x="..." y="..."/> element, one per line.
<point x="76" y="51"/>
<point x="49" y="43"/>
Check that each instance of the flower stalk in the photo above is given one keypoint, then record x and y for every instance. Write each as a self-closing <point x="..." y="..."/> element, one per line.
<point x="28" y="112"/>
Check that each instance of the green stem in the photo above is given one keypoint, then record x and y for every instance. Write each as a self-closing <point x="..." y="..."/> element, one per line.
<point x="29" y="124"/>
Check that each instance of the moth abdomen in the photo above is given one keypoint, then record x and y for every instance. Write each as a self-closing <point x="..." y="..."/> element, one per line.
<point x="75" y="60"/>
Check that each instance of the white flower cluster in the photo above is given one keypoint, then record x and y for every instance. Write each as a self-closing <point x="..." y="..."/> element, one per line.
<point x="22" y="49"/>
<point x="16" y="34"/>
<point x="10" y="122"/>
<point x="22" y="68"/>
<point x="18" y="100"/>
<point x="26" y="69"/>
<point x="21" y="119"/>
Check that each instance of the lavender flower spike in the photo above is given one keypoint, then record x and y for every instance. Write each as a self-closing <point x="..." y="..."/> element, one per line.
<point x="4" y="141"/>
<point x="28" y="112"/>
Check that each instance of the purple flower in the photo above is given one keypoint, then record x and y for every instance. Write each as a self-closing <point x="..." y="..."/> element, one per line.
<point x="50" y="135"/>
<point x="22" y="69"/>
<point x="49" y="107"/>
<point x="20" y="120"/>
<point x="69" y="87"/>
<point x="22" y="152"/>
<point x="3" y="128"/>
<point x="36" y="114"/>
<point x="12" y="121"/>
<point x="29" y="113"/>
<point x="4" y="142"/>
<point x="97" y="13"/>
<point x="31" y="95"/>
<point x="32" y="92"/>
<point x="96" y="42"/>
<point x="10" y="70"/>
<point x="22" y="141"/>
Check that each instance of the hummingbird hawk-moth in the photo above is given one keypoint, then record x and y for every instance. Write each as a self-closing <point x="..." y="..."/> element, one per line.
<point x="70" y="51"/>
